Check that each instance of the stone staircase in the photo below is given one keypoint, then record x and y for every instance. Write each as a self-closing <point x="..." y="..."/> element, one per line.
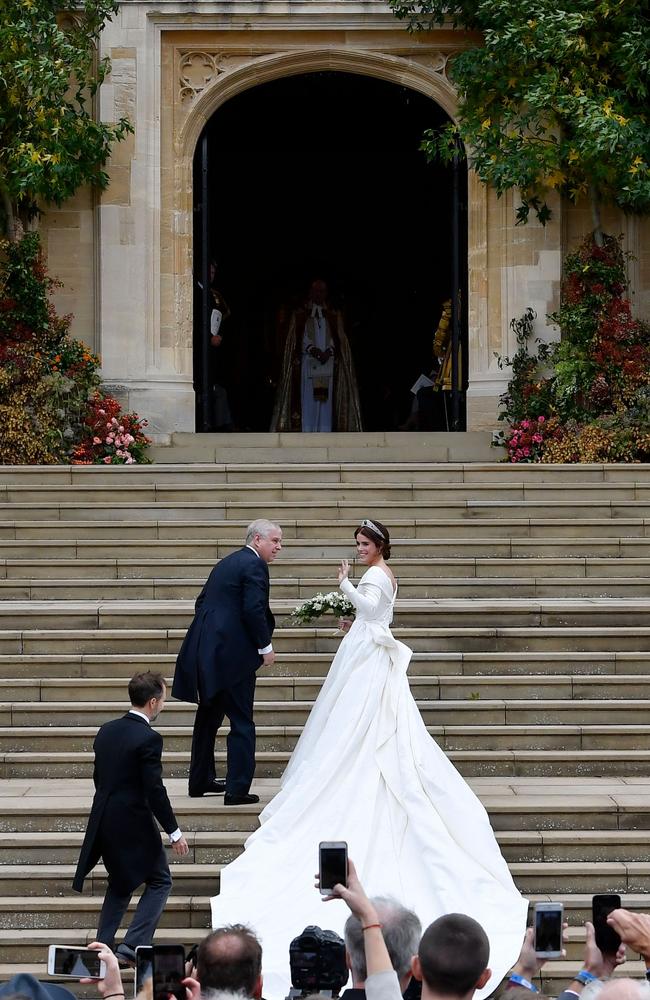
<point x="523" y="591"/>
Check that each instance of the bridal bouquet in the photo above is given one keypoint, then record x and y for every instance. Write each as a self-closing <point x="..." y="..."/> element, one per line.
<point x="333" y="603"/>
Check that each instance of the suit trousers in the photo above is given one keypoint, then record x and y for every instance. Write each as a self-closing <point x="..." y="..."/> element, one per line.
<point x="237" y="704"/>
<point x="148" y="911"/>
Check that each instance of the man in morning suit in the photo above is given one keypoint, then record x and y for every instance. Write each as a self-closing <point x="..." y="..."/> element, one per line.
<point x="129" y="798"/>
<point x="229" y="638"/>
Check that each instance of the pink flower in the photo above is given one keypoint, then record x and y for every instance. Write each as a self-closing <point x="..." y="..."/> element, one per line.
<point x="102" y="413"/>
<point x="106" y="459"/>
<point x="541" y="420"/>
<point x="537" y="438"/>
<point x="97" y="440"/>
<point x="525" y="424"/>
<point x="526" y="452"/>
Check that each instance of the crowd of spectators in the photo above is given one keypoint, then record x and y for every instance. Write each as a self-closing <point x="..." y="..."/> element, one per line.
<point x="386" y="954"/>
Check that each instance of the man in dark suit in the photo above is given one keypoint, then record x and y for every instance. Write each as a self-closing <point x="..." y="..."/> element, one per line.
<point x="129" y="798"/>
<point x="229" y="638"/>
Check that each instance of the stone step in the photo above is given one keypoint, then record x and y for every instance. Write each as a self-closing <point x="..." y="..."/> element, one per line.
<point x="446" y="613"/>
<point x="422" y="571"/>
<point x="304" y="664"/>
<point x="493" y="471"/>
<point x="26" y="765"/>
<point x="292" y="502"/>
<point x="513" y="804"/>
<point x="497" y="711"/>
<point x="622" y="742"/>
<point x="430" y="687"/>
<point x="189" y="879"/>
<point x="219" y="848"/>
<point x="447" y="640"/>
<point x="296" y="590"/>
<point x="199" y="537"/>
<point x="388" y="487"/>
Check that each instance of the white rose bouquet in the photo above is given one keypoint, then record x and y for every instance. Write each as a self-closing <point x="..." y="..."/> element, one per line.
<point x="333" y="603"/>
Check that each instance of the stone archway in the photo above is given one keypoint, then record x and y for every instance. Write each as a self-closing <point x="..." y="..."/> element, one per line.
<point x="223" y="78"/>
<point x="202" y="67"/>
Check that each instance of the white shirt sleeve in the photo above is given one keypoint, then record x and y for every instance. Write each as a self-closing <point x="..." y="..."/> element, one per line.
<point x="383" y="986"/>
<point x="267" y="649"/>
<point x="176" y="835"/>
<point x="365" y="597"/>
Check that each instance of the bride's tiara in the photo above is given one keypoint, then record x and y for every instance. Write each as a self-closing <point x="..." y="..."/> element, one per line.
<point x="367" y="523"/>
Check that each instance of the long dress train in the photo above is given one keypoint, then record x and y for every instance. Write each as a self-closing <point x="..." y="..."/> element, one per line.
<point x="365" y="770"/>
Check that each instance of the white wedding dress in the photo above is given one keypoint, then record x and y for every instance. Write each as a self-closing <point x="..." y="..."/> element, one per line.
<point x="365" y="770"/>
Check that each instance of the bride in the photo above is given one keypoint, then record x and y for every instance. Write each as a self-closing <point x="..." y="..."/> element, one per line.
<point x="365" y="770"/>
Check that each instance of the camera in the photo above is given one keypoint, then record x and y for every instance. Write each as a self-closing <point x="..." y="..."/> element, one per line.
<point x="317" y="961"/>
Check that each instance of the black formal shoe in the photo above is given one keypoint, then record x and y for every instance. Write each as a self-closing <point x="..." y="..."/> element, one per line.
<point x="240" y="800"/>
<point x="125" y="956"/>
<point x="216" y="788"/>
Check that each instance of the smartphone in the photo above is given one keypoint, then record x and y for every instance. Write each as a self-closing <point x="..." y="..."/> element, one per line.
<point x="606" y="937"/>
<point x="332" y="865"/>
<point x="143" y="966"/>
<point x="548" y="929"/>
<point x="168" y="969"/>
<point x="72" y="962"/>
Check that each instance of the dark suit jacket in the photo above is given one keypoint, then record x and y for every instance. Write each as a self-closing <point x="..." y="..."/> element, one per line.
<point x="232" y="621"/>
<point x="129" y="794"/>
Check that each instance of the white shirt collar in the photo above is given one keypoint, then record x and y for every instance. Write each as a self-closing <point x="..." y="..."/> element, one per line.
<point x="134" y="711"/>
<point x="254" y="550"/>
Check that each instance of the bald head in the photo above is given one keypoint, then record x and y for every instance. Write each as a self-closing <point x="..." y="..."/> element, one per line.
<point x="230" y="958"/>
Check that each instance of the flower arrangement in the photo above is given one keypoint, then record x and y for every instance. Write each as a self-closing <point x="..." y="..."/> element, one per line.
<point x="49" y="398"/>
<point x="113" y="438"/>
<point x="585" y="398"/>
<point x="333" y="603"/>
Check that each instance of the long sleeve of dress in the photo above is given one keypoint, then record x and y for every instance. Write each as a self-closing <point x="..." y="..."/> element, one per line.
<point x="365" y="597"/>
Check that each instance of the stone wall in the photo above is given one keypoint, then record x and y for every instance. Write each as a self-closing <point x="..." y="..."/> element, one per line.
<point x="127" y="261"/>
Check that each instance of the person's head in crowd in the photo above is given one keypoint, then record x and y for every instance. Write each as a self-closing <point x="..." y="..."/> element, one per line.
<point x="452" y="959"/>
<point x="147" y="692"/>
<point x="230" y="959"/>
<point x="401" y="930"/>
<point x="617" y="989"/>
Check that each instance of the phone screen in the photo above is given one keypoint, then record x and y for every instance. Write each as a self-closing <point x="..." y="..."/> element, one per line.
<point x="548" y="930"/>
<point x="333" y="866"/>
<point x="168" y="971"/>
<point x="80" y="963"/>
<point x="143" y="966"/>
<point x="606" y="937"/>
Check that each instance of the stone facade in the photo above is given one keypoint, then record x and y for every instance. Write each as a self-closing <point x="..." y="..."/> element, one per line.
<point x="126" y="257"/>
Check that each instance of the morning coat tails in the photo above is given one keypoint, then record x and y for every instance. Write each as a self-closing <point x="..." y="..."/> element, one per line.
<point x="129" y="793"/>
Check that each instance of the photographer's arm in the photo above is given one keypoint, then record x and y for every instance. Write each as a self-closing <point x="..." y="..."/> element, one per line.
<point x="111" y="984"/>
<point x="381" y="982"/>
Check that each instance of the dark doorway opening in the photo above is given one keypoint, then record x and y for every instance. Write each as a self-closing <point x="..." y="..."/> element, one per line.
<point x="321" y="175"/>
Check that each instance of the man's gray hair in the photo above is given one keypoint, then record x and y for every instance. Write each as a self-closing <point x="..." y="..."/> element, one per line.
<point x="619" y="988"/>
<point x="261" y="527"/>
<point x="401" y="930"/>
<point x="210" y="994"/>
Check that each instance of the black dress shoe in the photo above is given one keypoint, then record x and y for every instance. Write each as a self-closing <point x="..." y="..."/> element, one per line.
<point x="240" y="800"/>
<point x="216" y="788"/>
<point x="125" y="956"/>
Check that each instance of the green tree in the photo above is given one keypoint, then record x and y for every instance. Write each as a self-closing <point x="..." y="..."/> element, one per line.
<point x="50" y="140"/>
<point x="554" y="98"/>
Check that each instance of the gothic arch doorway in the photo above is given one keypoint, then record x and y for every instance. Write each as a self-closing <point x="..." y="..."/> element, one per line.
<point x="320" y="174"/>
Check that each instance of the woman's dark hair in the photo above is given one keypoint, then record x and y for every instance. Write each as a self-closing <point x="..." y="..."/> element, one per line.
<point x="377" y="533"/>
